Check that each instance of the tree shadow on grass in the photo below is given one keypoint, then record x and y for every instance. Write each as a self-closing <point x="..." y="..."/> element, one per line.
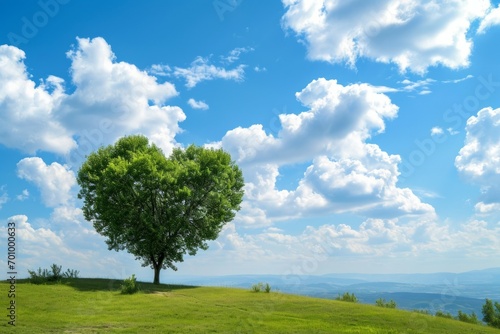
<point x="105" y="284"/>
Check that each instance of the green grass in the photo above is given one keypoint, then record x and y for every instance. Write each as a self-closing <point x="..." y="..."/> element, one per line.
<point x="96" y="306"/>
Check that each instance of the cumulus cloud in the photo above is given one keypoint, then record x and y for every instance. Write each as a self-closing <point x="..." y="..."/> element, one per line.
<point x="340" y="118"/>
<point x="325" y="248"/>
<point x="412" y="34"/>
<point x="116" y="98"/>
<point x="68" y="240"/>
<point x="479" y="158"/>
<point x="198" y="104"/>
<point x="345" y="174"/>
<point x="28" y="111"/>
<point x="491" y="19"/>
<point x="487" y="208"/>
<point x="202" y="70"/>
<point x="110" y="99"/>
<point x="55" y="181"/>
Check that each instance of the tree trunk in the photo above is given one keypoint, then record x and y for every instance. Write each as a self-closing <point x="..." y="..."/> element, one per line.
<point x="157" y="274"/>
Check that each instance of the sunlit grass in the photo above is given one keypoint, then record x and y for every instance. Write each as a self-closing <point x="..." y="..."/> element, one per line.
<point x="97" y="306"/>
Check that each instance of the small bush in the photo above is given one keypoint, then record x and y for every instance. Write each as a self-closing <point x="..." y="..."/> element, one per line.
<point x="422" y="311"/>
<point x="382" y="303"/>
<point x="442" y="314"/>
<point x="71" y="273"/>
<point x="53" y="275"/>
<point x="56" y="273"/>
<point x="130" y="285"/>
<point x="267" y="288"/>
<point x="39" y="277"/>
<point x="257" y="287"/>
<point x="471" y="319"/>
<point x="347" y="297"/>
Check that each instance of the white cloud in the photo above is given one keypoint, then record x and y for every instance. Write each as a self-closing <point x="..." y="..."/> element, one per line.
<point x="201" y="70"/>
<point x="479" y="159"/>
<point x="43" y="237"/>
<point x="160" y="70"/>
<point x="259" y="69"/>
<point x="69" y="241"/>
<point x="28" y="115"/>
<point x="54" y="181"/>
<point x="340" y="118"/>
<point x="346" y="174"/>
<point x="469" y="76"/>
<point x="234" y="55"/>
<point x="4" y="198"/>
<point x="24" y="195"/>
<point x="421" y="86"/>
<point x="324" y="249"/>
<point x="110" y="99"/>
<point x="436" y="131"/>
<point x="412" y="34"/>
<point x="198" y="104"/>
<point x="490" y="20"/>
<point x="487" y="208"/>
<point x="116" y="98"/>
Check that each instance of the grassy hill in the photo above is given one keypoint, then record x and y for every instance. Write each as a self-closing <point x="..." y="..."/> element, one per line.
<point x="96" y="306"/>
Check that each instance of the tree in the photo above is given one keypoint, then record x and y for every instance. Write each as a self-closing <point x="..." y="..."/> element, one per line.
<point x="471" y="319"/>
<point x="491" y="313"/>
<point x="159" y="208"/>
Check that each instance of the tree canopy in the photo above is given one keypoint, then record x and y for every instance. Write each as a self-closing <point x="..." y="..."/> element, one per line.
<point x="159" y="208"/>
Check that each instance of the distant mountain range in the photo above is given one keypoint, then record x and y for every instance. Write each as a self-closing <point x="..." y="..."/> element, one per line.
<point x="448" y="292"/>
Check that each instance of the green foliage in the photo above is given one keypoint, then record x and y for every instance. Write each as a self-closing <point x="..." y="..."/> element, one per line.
<point x="491" y="313"/>
<point x="56" y="273"/>
<point x="155" y="207"/>
<point x="426" y="312"/>
<point x="71" y="273"/>
<point x="442" y="314"/>
<point x="382" y="303"/>
<point x="39" y="277"/>
<point x="53" y="275"/>
<point x="130" y="285"/>
<point x="261" y="287"/>
<point x="471" y="319"/>
<point x="257" y="287"/>
<point x="347" y="297"/>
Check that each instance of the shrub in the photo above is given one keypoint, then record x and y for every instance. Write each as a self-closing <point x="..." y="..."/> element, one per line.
<point x="382" y="303"/>
<point x="347" y="297"/>
<point x="71" y="273"/>
<point x="56" y="273"/>
<point x="442" y="314"/>
<point x="422" y="311"/>
<point x="471" y="319"/>
<point x="267" y="288"/>
<point x="257" y="287"/>
<point x="53" y="275"/>
<point x="130" y="285"/>
<point x="38" y="277"/>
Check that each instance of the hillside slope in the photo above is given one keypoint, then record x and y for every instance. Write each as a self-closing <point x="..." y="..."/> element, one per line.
<point x="96" y="306"/>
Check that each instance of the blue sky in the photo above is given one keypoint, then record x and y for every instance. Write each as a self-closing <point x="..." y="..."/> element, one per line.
<point x="368" y="134"/>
